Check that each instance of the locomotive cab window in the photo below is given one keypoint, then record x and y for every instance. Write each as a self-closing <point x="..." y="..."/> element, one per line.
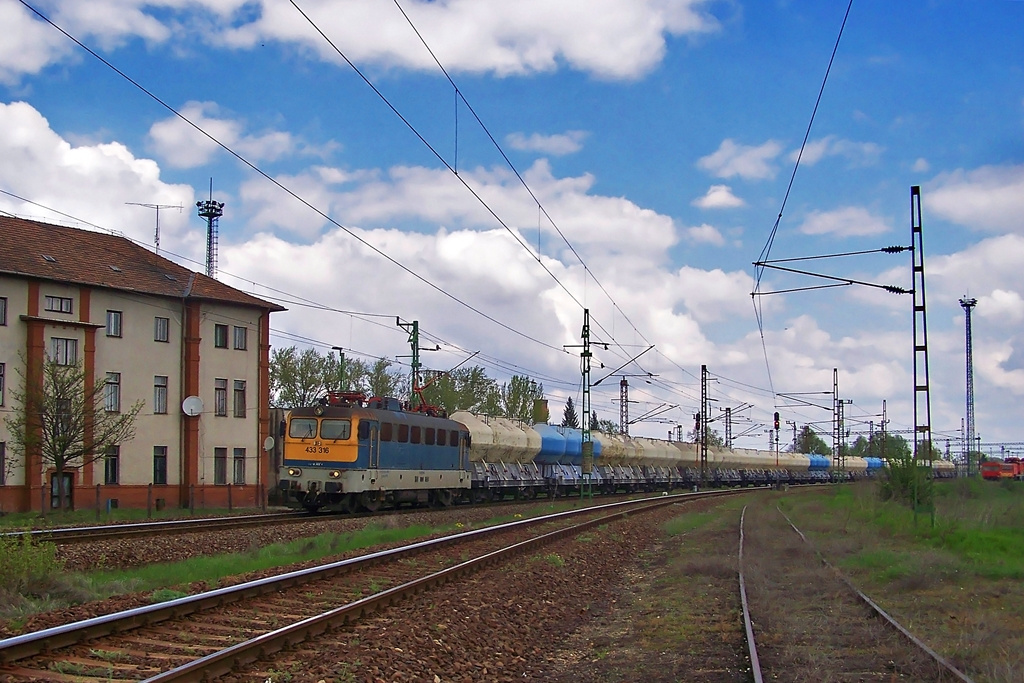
<point x="387" y="431"/>
<point x="302" y="428"/>
<point x="338" y="430"/>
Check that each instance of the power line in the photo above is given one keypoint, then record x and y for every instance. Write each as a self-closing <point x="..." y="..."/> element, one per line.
<point x="288" y="190"/>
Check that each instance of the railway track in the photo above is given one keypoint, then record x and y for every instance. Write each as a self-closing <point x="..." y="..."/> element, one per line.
<point x="103" y="532"/>
<point x="840" y="634"/>
<point x="210" y="634"/>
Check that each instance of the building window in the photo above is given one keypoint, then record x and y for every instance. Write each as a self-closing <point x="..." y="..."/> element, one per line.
<point x="239" y="398"/>
<point x="3" y="463"/>
<point x="238" y="466"/>
<point x="2" y="376"/>
<point x="112" y="465"/>
<point x="220" y="465"/>
<point x="159" y="464"/>
<point x="220" y="397"/>
<point x="113" y="323"/>
<point x="161" y="329"/>
<point x="64" y="351"/>
<point x="160" y="395"/>
<point x="241" y="337"/>
<point x="112" y="395"/>
<point x="59" y="304"/>
<point x="220" y="336"/>
<point x="3" y="310"/>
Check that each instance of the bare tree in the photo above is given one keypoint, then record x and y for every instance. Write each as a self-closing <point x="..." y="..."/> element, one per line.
<point x="63" y="421"/>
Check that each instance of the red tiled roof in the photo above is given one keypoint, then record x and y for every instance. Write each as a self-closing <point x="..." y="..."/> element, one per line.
<point x="99" y="259"/>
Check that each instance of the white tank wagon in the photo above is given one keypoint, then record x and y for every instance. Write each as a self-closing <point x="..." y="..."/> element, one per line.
<point x="499" y="439"/>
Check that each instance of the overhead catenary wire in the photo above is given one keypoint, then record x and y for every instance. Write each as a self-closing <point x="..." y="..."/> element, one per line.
<point x="460" y="96"/>
<point x="245" y="161"/>
<point x="766" y="250"/>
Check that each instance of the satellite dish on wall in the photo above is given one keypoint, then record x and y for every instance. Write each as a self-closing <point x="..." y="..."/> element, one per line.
<point x="268" y="444"/>
<point x="192" y="406"/>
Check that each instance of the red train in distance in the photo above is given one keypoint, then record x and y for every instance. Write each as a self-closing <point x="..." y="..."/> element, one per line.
<point x="1010" y="468"/>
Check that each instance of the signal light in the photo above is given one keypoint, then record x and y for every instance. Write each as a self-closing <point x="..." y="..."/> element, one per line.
<point x="776" y="420"/>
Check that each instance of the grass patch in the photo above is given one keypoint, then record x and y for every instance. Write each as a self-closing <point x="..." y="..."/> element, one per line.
<point x="211" y="569"/>
<point x="976" y="529"/>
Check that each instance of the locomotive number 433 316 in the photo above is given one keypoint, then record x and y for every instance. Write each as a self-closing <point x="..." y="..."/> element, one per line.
<point x="317" y="448"/>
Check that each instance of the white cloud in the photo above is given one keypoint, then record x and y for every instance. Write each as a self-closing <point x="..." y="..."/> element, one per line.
<point x="718" y="197"/>
<point x="79" y="180"/>
<point x="848" y="221"/>
<point x="989" y="198"/>
<point x="595" y="224"/>
<point x="1001" y="306"/>
<point x="182" y="146"/>
<point x="614" y="39"/>
<point x="555" y="145"/>
<point x="856" y="153"/>
<point x="28" y="44"/>
<point x="707" y="234"/>
<point x="745" y="161"/>
<point x="921" y="166"/>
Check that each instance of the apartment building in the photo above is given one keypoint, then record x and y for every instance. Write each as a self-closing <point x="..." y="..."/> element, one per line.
<point x="156" y="332"/>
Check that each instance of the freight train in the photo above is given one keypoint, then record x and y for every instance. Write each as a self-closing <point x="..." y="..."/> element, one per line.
<point x="352" y="453"/>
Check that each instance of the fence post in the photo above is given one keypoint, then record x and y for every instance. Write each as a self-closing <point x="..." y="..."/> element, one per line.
<point x="149" y="501"/>
<point x="97" y="501"/>
<point x="192" y="499"/>
<point x="229" y="498"/>
<point x="263" y="498"/>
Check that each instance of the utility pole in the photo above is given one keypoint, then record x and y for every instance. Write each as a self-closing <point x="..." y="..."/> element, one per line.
<point x="792" y="423"/>
<point x="702" y="418"/>
<point x="922" y="391"/>
<point x="587" y="447"/>
<point x="341" y="366"/>
<point x="967" y="304"/>
<point x="413" y="329"/>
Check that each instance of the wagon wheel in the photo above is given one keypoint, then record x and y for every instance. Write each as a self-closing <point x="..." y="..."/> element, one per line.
<point x="442" y="497"/>
<point x="350" y="503"/>
<point x="370" y="500"/>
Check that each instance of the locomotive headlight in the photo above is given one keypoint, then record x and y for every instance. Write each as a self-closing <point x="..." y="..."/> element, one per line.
<point x="294" y="472"/>
<point x="335" y="474"/>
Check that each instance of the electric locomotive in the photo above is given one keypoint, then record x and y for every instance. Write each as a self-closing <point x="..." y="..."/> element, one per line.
<point x="351" y="453"/>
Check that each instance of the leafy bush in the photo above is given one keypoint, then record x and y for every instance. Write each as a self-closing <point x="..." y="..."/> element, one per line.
<point x="26" y="562"/>
<point x="906" y="482"/>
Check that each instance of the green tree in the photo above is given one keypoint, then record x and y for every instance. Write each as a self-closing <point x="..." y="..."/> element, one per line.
<point x="517" y="397"/>
<point x="63" y="420"/>
<point x="460" y="389"/>
<point x="381" y="380"/>
<point x="715" y="439"/>
<point x="300" y="378"/>
<point x="569" y="417"/>
<point x="809" y="442"/>
<point x="603" y="426"/>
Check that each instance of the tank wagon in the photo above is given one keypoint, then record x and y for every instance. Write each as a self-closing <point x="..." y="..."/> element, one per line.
<point x="352" y="453"/>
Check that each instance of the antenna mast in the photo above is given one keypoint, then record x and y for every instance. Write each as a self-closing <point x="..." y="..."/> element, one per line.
<point x="156" y="235"/>
<point x="211" y="211"/>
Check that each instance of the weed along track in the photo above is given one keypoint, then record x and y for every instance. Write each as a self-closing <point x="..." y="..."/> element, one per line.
<point x="250" y="621"/>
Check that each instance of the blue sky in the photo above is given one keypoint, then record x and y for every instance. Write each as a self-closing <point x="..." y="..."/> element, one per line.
<point x="658" y="136"/>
